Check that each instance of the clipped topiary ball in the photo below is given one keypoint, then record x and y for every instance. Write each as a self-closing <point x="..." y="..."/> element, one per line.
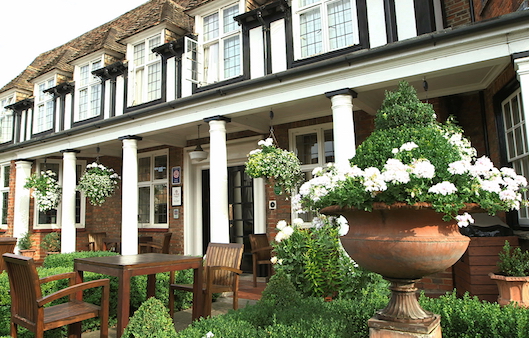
<point x="151" y="320"/>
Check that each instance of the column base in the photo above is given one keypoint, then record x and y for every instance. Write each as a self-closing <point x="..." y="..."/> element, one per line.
<point x="379" y="328"/>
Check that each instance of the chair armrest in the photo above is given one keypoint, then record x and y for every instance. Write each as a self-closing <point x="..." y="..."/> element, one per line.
<point x="105" y="283"/>
<point x="69" y="275"/>
<point x="266" y="248"/>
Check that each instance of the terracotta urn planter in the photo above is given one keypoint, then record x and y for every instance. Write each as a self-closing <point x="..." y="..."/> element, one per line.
<point x="512" y="289"/>
<point x="403" y="243"/>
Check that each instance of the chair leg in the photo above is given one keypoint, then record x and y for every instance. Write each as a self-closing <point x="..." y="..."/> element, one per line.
<point x="74" y="330"/>
<point x="103" y="329"/>
<point x="254" y="268"/>
<point x="171" y="303"/>
<point x="208" y="299"/>
<point x="14" y="330"/>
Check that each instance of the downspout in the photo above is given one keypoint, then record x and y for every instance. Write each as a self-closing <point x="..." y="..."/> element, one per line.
<point x="472" y="13"/>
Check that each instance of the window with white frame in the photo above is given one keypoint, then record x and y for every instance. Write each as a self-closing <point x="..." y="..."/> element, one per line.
<point x="152" y="189"/>
<point x="147" y="70"/>
<point x="5" y="171"/>
<point x="218" y="55"/>
<point x="52" y="218"/>
<point x="43" y="114"/>
<point x="6" y="119"/>
<point x="323" y="26"/>
<point x="516" y="140"/>
<point x="314" y="147"/>
<point x="89" y="92"/>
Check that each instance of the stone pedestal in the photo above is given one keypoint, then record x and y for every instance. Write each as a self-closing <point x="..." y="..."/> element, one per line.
<point x="385" y="329"/>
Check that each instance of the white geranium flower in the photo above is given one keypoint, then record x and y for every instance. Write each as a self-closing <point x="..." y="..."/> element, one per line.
<point x="281" y="224"/>
<point x="464" y="220"/>
<point x="273" y="259"/>
<point x="444" y="188"/>
<point x="408" y="146"/>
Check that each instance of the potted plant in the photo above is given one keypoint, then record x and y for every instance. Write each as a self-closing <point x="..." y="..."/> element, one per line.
<point x="281" y="168"/>
<point x="513" y="276"/>
<point x="409" y="186"/>
<point x="25" y="245"/>
<point x="45" y="189"/>
<point x="98" y="183"/>
<point x="51" y="243"/>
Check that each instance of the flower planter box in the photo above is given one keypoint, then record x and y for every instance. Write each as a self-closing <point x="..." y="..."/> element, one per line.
<point x="471" y="272"/>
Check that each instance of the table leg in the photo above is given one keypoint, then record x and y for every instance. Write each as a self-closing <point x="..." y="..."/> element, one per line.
<point x="123" y="302"/>
<point x="78" y="280"/>
<point x="151" y="285"/>
<point x="198" y="310"/>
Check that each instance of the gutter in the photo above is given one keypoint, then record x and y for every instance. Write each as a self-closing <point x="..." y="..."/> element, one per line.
<point x="425" y="39"/>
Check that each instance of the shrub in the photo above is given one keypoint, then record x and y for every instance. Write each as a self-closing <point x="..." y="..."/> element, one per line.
<point x="51" y="242"/>
<point x="513" y="262"/>
<point x="25" y="242"/>
<point x="151" y="320"/>
<point x="280" y="291"/>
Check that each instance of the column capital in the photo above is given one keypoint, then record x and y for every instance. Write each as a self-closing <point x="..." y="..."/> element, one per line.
<point x="24" y="160"/>
<point x="130" y="137"/>
<point x="343" y="91"/>
<point x="70" y="151"/>
<point x="217" y="118"/>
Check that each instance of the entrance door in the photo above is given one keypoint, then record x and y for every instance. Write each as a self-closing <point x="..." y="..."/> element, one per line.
<point x="241" y="212"/>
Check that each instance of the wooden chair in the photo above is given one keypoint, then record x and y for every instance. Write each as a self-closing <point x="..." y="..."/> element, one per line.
<point x="27" y="301"/>
<point x="7" y="245"/>
<point x="261" y="254"/>
<point x="221" y="274"/>
<point x="157" y="247"/>
<point x="95" y="241"/>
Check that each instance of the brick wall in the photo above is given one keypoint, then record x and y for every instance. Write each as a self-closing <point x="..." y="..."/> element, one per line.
<point x="492" y="8"/>
<point x="457" y="12"/>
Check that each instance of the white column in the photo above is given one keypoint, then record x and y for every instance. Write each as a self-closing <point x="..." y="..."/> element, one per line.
<point x="129" y="199"/>
<point x="259" y="205"/>
<point x="21" y="207"/>
<point x="343" y="125"/>
<point x="521" y="66"/>
<point x="68" y="201"/>
<point x="220" y="226"/>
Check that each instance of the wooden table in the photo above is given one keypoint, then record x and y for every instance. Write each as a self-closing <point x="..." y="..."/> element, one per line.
<point x="124" y="267"/>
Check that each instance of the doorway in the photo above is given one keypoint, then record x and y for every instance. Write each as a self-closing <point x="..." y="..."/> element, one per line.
<point x="241" y="211"/>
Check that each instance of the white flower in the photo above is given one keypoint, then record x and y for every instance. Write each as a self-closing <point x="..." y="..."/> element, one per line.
<point x="395" y="150"/>
<point x="464" y="220"/>
<point x="255" y="151"/>
<point x="395" y="171"/>
<point x="288" y="231"/>
<point x="281" y="224"/>
<point x="459" y="167"/>
<point x="444" y="188"/>
<point x="273" y="259"/>
<point x="209" y="335"/>
<point x="280" y="236"/>
<point x="423" y="169"/>
<point x="408" y="146"/>
<point x="297" y="222"/>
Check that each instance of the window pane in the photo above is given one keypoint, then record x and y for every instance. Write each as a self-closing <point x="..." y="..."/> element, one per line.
<point x="232" y="58"/>
<point x="144" y="205"/>
<point x="230" y="25"/>
<point x="160" y="167"/>
<point x="154" y="82"/>
<point x="507" y="115"/>
<point x="153" y="43"/>
<point x="515" y="110"/>
<point x="95" y="100"/>
<point x="211" y="26"/>
<point x="307" y="148"/>
<point x="160" y="204"/>
<point x="83" y="74"/>
<point x="310" y="32"/>
<point x="7" y="170"/>
<point x="144" y="169"/>
<point x="340" y="24"/>
<point x="329" y="145"/>
<point x="83" y="104"/>
<point x="303" y="3"/>
<point x="5" y="201"/>
<point x="139" y="54"/>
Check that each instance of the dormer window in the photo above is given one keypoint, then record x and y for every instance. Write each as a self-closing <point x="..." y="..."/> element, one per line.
<point x="43" y="115"/>
<point x="6" y="119"/>
<point x="323" y="26"/>
<point x="216" y="56"/>
<point x="89" y="92"/>
<point x="147" y="70"/>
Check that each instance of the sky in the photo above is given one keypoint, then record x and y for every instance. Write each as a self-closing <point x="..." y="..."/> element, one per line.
<point x="31" y="27"/>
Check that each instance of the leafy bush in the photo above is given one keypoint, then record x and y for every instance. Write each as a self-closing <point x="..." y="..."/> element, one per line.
<point x="51" y="242"/>
<point x="513" y="262"/>
<point x="67" y="259"/>
<point x="25" y="242"/>
<point x="151" y="320"/>
<point x="280" y="291"/>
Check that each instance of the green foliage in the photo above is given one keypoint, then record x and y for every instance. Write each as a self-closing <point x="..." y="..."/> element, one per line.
<point x="403" y="108"/>
<point x="513" y="261"/>
<point x="51" y="242"/>
<point x="468" y="317"/>
<point x="279" y="166"/>
<point x="151" y="320"/>
<point x="46" y="190"/>
<point x="67" y="259"/>
<point x="25" y="242"/>
<point x="280" y="291"/>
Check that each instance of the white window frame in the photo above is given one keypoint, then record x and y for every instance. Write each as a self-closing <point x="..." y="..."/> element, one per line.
<point x="206" y="58"/>
<point x="319" y="130"/>
<point x="151" y="183"/>
<point x="43" y="112"/>
<point x="515" y="133"/>
<point x="322" y="6"/>
<point x="6" y="119"/>
<point x="146" y="70"/>
<point x="40" y="165"/>
<point x="88" y="91"/>
<point x="5" y="169"/>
